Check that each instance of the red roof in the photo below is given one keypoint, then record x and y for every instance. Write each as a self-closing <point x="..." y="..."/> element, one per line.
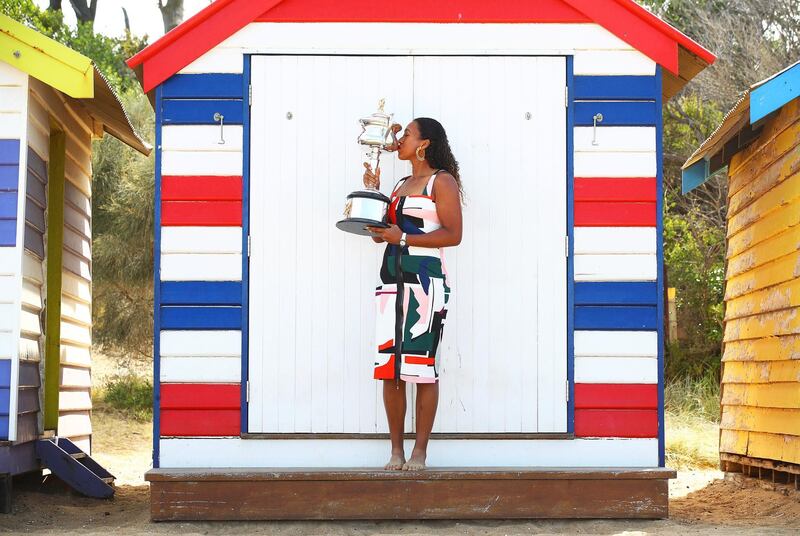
<point x="221" y="19"/>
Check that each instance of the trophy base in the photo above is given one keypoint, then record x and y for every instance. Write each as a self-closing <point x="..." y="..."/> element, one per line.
<point x="358" y="225"/>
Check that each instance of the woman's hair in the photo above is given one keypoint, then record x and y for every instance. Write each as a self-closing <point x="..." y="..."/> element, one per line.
<point x="438" y="154"/>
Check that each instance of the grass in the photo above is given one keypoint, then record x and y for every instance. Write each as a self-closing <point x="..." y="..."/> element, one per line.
<point x="692" y="422"/>
<point x="129" y="394"/>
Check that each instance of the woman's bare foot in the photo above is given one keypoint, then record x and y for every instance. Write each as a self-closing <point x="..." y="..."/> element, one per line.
<point x="416" y="463"/>
<point x="396" y="462"/>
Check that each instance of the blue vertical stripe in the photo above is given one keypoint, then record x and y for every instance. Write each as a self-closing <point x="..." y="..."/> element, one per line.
<point x="660" y="265"/>
<point x="157" y="288"/>
<point x="570" y="252"/>
<point x="5" y="396"/>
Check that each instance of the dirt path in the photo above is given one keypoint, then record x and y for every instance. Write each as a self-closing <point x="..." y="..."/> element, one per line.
<point x="701" y="502"/>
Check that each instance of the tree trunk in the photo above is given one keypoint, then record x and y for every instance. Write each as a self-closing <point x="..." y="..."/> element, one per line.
<point x="127" y="20"/>
<point x="84" y="11"/>
<point x="55" y="5"/>
<point x="171" y="13"/>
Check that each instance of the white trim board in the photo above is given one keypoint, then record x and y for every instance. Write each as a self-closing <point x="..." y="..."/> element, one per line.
<point x="236" y="452"/>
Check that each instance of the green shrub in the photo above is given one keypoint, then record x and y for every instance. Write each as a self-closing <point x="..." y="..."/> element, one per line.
<point x="129" y="394"/>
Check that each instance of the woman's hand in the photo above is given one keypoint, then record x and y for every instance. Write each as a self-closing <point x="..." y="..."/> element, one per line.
<point x="389" y="234"/>
<point x="372" y="180"/>
<point x="395" y="128"/>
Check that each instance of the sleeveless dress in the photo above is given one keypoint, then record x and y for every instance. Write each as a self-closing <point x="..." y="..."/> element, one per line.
<point x="425" y="291"/>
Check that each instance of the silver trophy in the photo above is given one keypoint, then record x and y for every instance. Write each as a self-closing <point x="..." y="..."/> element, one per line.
<point x="368" y="207"/>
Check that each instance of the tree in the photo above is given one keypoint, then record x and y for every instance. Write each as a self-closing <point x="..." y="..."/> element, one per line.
<point x="85" y="12"/>
<point x="171" y="13"/>
<point x="55" y="5"/>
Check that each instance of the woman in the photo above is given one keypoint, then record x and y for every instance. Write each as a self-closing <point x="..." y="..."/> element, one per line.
<point x="425" y="216"/>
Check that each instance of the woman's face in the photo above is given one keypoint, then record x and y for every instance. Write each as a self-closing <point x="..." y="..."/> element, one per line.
<point x="409" y="141"/>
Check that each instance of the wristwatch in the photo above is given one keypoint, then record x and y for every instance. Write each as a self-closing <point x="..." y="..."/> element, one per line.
<point x="403" y="240"/>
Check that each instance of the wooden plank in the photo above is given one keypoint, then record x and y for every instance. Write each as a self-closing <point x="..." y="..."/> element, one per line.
<point x="618" y="240"/>
<point x="784" y="243"/>
<point x="616" y="396"/>
<point x="201" y="369"/>
<point x="202" y="139"/>
<point x="197" y="162"/>
<point x="201" y="111"/>
<point x="733" y="441"/>
<point x="779" y="447"/>
<point x="201" y="240"/>
<point x="615" y="164"/>
<point x="615" y="267"/>
<point x="615" y="139"/>
<point x="781" y="296"/>
<point x="616" y="370"/>
<point x="770" y="348"/>
<point x="615" y="293"/>
<point x="753" y="419"/>
<point x="201" y="213"/>
<point x="9" y="176"/>
<point x="612" y="62"/>
<point x="204" y="86"/>
<point x="772" y="395"/>
<point x="371" y="453"/>
<point x="201" y="188"/>
<point x="201" y="293"/>
<point x="74" y="377"/>
<point x="9" y="151"/>
<point x="74" y="424"/>
<point x="786" y="193"/>
<point x="200" y="396"/>
<point x="199" y="423"/>
<point x="74" y="400"/>
<point x="776" y="172"/>
<point x="201" y="343"/>
<point x="461" y="499"/>
<point x="8" y="205"/>
<point x="761" y="371"/>
<point x="777" y="271"/>
<point x="611" y="214"/>
<point x="783" y="322"/>
<point x="615" y="87"/>
<point x="612" y="317"/>
<point x="201" y="318"/>
<point x="615" y="189"/>
<point x="202" y="267"/>
<point x="616" y="423"/>
<point x="616" y="113"/>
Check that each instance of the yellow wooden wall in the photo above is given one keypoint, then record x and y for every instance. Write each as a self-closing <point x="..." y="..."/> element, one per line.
<point x="761" y="358"/>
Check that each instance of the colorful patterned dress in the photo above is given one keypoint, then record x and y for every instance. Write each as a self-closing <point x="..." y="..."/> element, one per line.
<point x="425" y="290"/>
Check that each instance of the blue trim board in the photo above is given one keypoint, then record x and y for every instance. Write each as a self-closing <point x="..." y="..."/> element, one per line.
<point x="9" y="152"/>
<point x="660" y="265"/>
<point x="157" y="286"/>
<point x="5" y="393"/>
<point x="775" y="93"/>
<point x="616" y="293"/>
<point x="204" y="86"/>
<point x="201" y="112"/>
<point x="615" y="87"/>
<point x="205" y="318"/>
<point x="616" y="317"/>
<point x="201" y="293"/>
<point x="245" y="233"/>
<point x="616" y="113"/>
<point x="694" y="175"/>
<point x="571" y="247"/>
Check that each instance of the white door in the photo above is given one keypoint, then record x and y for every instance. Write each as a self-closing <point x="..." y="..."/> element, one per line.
<point x="311" y="342"/>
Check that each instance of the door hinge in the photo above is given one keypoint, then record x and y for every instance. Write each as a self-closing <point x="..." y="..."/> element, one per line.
<point x="248" y="246"/>
<point x="566" y="96"/>
<point x="566" y="246"/>
<point x="566" y="384"/>
<point x="247" y="391"/>
<point x="250" y="95"/>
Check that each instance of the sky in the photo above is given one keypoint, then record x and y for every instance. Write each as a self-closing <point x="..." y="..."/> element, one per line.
<point x="144" y="16"/>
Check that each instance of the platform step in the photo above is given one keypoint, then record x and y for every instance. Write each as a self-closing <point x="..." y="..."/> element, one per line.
<point x="75" y="467"/>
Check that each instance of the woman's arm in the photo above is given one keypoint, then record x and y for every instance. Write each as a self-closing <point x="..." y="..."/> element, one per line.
<point x="448" y="208"/>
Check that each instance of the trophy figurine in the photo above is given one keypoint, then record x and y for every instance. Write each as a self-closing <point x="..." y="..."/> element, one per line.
<point x="368" y="207"/>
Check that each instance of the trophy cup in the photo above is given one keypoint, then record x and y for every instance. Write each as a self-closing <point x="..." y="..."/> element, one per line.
<point x="368" y="207"/>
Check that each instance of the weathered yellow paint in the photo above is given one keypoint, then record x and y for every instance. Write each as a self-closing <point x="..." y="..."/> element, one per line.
<point x="45" y="59"/>
<point x="784" y="322"/>
<point x="733" y="441"/>
<point x="762" y="395"/>
<point x="782" y="296"/>
<point x="781" y="447"/>
<point x="774" y="248"/>
<point x="761" y="371"/>
<point x="768" y="226"/>
<point x="765" y="349"/>
<point x="784" y="269"/>
<point x="786" y="166"/>
<point x="752" y="419"/>
<point x="786" y="116"/>
<point x="787" y="192"/>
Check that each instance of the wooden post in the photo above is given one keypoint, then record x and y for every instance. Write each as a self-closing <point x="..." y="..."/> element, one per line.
<point x="55" y="238"/>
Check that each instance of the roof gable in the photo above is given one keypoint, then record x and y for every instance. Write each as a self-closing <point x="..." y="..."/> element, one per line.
<point x="221" y="19"/>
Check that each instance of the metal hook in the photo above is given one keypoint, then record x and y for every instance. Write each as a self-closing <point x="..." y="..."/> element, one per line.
<point x="598" y="118"/>
<point x="221" y="118"/>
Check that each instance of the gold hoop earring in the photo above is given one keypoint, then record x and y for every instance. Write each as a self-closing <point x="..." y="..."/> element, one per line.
<point x="420" y="157"/>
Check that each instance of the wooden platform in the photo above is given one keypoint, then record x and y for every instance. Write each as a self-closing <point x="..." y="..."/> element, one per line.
<point x="440" y="493"/>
